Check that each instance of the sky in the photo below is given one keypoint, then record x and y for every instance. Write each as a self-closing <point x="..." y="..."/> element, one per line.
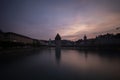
<point x="72" y="19"/>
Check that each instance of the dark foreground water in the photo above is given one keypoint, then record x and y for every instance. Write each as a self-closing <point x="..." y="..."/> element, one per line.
<point x="67" y="64"/>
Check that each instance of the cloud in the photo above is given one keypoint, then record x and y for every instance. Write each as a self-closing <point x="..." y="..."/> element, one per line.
<point x="71" y="18"/>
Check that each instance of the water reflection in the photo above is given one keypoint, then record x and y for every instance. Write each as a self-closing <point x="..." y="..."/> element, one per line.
<point x="60" y="64"/>
<point x="86" y="54"/>
<point x="58" y="54"/>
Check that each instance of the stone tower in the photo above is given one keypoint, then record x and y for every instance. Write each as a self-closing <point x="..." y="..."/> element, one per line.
<point x="85" y="37"/>
<point x="58" y="41"/>
<point x="58" y="48"/>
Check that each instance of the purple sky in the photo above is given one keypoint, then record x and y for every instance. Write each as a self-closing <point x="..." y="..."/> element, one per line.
<point x="43" y="19"/>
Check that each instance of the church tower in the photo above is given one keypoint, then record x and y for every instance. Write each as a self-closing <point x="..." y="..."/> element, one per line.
<point x="85" y="37"/>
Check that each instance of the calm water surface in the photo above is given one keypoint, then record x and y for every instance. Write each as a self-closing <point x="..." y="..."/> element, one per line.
<point x="67" y="64"/>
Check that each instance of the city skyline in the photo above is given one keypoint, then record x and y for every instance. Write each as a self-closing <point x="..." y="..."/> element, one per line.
<point x="43" y="19"/>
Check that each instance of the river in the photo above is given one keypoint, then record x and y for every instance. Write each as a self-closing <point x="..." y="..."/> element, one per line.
<point x="67" y="64"/>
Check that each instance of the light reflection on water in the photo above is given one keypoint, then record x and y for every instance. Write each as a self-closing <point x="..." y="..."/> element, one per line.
<point x="64" y="64"/>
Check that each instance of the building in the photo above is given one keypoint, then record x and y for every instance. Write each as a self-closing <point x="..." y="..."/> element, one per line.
<point x="58" y="48"/>
<point x="67" y="43"/>
<point x="1" y="36"/>
<point x="85" y="37"/>
<point x="108" y="39"/>
<point x="58" y="41"/>
<point x="14" y="37"/>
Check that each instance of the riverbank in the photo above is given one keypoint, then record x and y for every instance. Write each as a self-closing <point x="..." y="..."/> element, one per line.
<point x="26" y="51"/>
<point x="14" y="51"/>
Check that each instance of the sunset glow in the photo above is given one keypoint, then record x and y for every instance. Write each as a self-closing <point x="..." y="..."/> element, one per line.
<point x="42" y="19"/>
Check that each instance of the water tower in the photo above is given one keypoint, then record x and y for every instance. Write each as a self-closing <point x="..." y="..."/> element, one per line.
<point x="58" y="41"/>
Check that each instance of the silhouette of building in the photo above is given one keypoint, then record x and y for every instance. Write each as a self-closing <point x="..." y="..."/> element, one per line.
<point x="58" y="48"/>
<point x="57" y="37"/>
<point x="1" y="36"/>
<point x="44" y="42"/>
<point x="107" y="39"/>
<point x="58" y="41"/>
<point x="14" y="37"/>
<point x="85" y="37"/>
<point x="85" y="40"/>
<point x="67" y="43"/>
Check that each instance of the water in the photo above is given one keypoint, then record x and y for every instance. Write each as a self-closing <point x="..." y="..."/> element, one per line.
<point x="67" y="64"/>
